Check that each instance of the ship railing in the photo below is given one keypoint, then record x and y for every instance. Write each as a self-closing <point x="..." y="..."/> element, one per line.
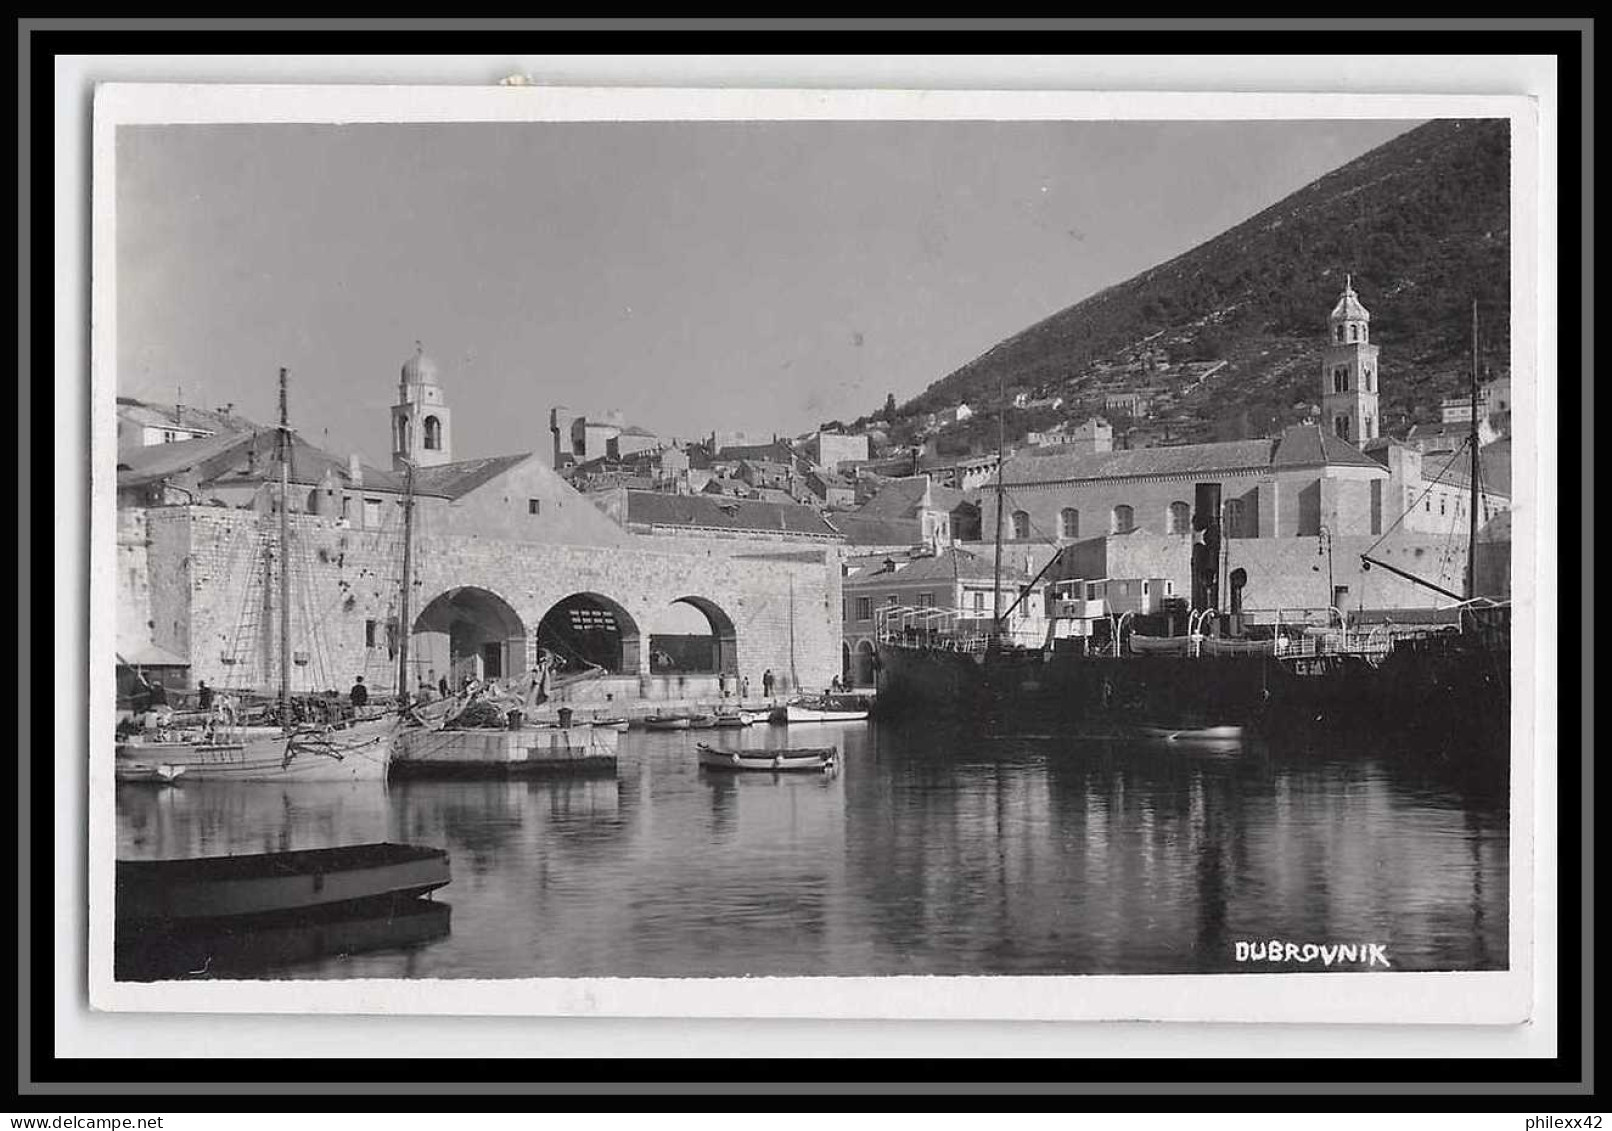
<point x="948" y="629"/>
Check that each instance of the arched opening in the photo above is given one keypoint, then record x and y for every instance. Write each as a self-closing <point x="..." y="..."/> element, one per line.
<point x="693" y="636"/>
<point x="433" y="434"/>
<point x="1069" y="523"/>
<point x="1124" y="519"/>
<point x="1021" y="525"/>
<point x="590" y="630"/>
<point x="845" y="665"/>
<point x="862" y="664"/>
<point x="1180" y="518"/>
<point x="467" y="632"/>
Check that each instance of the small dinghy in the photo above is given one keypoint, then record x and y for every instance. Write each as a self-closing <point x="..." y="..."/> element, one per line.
<point x="831" y="710"/>
<point x="667" y="722"/>
<point x="611" y="724"/>
<point x="816" y="759"/>
<point x="221" y="887"/>
<point x="730" y="721"/>
<point x="1192" y="733"/>
<point x="150" y="773"/>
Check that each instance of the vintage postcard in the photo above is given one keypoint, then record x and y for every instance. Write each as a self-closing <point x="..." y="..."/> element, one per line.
<point x="816" y="554"/>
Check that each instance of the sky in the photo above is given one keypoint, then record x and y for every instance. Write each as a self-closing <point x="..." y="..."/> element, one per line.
<point x="758" y="276"/>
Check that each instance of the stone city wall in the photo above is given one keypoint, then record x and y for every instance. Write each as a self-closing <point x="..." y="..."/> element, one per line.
<point x="206" y="570"/>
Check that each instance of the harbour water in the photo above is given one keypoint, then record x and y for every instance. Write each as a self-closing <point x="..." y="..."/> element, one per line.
<point x="927" y="852"/>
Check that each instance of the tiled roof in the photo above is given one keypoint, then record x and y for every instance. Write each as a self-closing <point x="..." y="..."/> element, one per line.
<point x="454" y="480"/>
<point x="1310" y="445"/>
<point x="180" y="416"/>
<point x="948" y="565"/>
<point x="229" y="457"/>
<point x="1185" y="459"/>
<point x="901" y="498"/>
<point x="875" y="530"/>
<point x="156" y="462"/>
<point x="654" y="508"/>
<point x="1494" y="469"/>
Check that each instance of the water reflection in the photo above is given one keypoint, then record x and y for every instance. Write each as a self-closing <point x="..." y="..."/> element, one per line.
<point x="927" y="853"/>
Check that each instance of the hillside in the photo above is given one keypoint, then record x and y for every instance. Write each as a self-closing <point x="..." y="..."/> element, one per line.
<point x="1422" y="223"/>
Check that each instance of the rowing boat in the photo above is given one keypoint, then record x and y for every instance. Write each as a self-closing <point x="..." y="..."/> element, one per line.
<point x="218" y="887"/>
<point x="816" y="711"/>
<point x="799" y="760"/>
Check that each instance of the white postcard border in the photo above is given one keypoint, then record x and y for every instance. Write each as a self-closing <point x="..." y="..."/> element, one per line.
<point x="1455" y="998"/>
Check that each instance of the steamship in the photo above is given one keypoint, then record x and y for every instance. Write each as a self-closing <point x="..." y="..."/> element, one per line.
<point x="1186" y="666"/>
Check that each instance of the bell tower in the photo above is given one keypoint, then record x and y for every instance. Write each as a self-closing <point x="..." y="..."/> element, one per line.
<point x="1349" y="372"/>
<point x="421" y="424"/>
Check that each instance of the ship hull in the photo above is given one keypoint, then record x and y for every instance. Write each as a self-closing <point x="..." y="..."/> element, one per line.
<point x="1456" y="698"/>
<point x="360" y="753"/>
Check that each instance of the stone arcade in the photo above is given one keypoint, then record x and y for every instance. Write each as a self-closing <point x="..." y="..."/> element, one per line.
<point x="508" y="559"/>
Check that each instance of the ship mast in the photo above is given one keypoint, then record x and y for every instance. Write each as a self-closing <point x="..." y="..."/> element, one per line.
<point x="1473" y="500"/>
<point x="996" y="588"/>
<point x="285" y="556"/>
<point x="404" y="624"/>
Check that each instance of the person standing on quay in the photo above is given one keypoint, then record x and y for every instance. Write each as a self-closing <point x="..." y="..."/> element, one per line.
<point x="359" y="694"/>
<point x="766" y="683"/>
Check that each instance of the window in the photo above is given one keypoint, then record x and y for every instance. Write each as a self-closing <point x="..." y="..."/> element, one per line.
<point x="1021" y="525"/>
<point x="1234" y="519"/>
<point x="926" y="600"/>
<point x="979" y="601"/>
<point x="1091" y="591"/>
<point x="1340" y="425"/>
<point x="1339" y="331"/>
<point x="1365" y="376"/>
<point x="1428" y="506"/>
<point x="1441" y="502"/>
<point x="1369" y="430"/>
<point x="1340" y="379"/>
<point x="1179" y="519"/>
<point x="1124" y="519"/>
<point x="1354" y="332"/>
<point x="1145" y="588"/>
<point x="369" y="634"/>
<point x="1376" y="506"/>
<point x="534" y="506"/>
<point x="372" y="513"/>
<point x="890" y="601"/>
<point x="864" y="608"/>
<point x="345" y="501"/>
<point x="1069" y="523"/>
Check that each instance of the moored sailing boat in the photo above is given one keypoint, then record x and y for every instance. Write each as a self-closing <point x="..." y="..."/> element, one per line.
<point x="221" y="750"/>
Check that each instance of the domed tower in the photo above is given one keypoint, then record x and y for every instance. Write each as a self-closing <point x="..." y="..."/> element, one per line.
<point x="1349" y="371"/>
<point x="421" y="432"/>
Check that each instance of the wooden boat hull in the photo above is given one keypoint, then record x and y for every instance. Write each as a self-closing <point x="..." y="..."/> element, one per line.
<point x="619" y="725"/>
<point x="227" y="887"/>
<point x="358" y="753"/>
<point x="666" y="724"/>
<point x="149" y="773"/>
<point x="222" y="950"/>
<point x="816" y="760"/>
<point x="797" y="714"/>
<point x="730" y="722"/>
